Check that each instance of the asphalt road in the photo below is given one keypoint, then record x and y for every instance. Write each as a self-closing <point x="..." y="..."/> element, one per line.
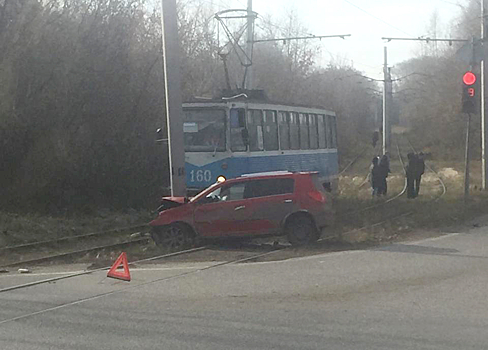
<point x="430" y="294"/>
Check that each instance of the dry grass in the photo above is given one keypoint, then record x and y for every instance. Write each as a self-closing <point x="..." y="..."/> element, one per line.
<point x="25" y="228"/>
<point x="427" y="214"/>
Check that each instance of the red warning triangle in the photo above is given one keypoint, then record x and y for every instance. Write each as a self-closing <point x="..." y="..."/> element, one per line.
<point x="121" y="275"/>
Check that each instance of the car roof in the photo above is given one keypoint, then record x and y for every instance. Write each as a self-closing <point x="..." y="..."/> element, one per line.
<point x="269" y="173"/>
<point x="273" y="174"/>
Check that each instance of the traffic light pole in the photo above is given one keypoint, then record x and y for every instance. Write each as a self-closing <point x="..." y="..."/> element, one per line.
<point x="172" y="89"/>
<point x="469" y="79"/>
<point x="467" y="160"/>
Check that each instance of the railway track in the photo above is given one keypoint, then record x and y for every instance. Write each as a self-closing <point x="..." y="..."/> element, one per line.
<point x="36" y="257"/>
<point x="68" y="238"/>
<point x="61" y="248"/>
<point x="352" y="162"/>
<point x="151" y="259"/>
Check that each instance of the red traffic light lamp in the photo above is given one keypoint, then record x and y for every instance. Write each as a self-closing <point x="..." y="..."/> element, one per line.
<point x="469" y="78"/>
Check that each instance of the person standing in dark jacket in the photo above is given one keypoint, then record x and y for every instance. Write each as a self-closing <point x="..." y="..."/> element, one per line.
<point x="375" y="176"/>
<point x="420" y="169"/>
<point x="411" y="172"/>
<point x="384" y="166"/>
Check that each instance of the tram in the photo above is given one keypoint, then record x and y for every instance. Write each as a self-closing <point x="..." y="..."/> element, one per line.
<point x="233" y="136"/>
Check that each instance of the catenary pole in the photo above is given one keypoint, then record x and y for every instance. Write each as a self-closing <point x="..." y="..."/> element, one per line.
<point x="249" y="44"/>
<point x="484" y="164"/>
<point x="385" y="103"/>
<point x="172" y="89"/>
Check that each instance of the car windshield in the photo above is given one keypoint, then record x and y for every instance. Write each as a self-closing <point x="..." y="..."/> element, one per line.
<point x="204" y="130"/>
<point x="204" y="192"/>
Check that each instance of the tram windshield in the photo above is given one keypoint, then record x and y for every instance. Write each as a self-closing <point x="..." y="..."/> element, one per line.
<point x="204" y="130"/>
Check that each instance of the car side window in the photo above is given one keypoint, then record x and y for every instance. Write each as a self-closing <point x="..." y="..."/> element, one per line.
<point x="268" y="187"/>
<point x="233" y="192"/>
<point x="225" y="193"/>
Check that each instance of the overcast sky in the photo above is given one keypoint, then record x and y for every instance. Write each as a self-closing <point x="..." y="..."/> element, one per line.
<point x="366" y="20"/>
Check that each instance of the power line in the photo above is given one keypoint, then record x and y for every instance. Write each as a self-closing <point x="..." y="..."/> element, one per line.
<point x="377" y="18"/>
<point x="268" y="22"/>
<point x="342" y="36"/>
<point x="427" y="40"/>
<point x="452" y="3"/>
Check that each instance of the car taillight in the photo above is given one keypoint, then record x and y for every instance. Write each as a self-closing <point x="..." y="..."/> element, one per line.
<point x="317" y="196"/>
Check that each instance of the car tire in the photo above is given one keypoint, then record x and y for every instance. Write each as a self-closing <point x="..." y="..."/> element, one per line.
<point x="301" y="230"/>
<point x="173" y="237"/>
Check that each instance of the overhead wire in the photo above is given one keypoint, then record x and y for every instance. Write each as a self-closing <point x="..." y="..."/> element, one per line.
<point x="377" y="18"/>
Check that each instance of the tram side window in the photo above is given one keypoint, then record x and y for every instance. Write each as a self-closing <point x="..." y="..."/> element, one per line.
<point x="204" y="130"/>
<point x="331" y="132"/>
<point x="333" y="124"/>
<point x="270" y="125"/>
<point x="294" y="131"/>
<point x="322" y="131"/>
<point x="255" y="128"/>
<point x="303" y="118"/>
<point x="312" y="131"/>
<point x="283" y="119"/>
<point x="239" y="135"/>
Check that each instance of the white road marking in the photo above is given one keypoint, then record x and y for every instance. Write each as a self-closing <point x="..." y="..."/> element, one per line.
<point x="433" y="239"/>
<point x="132" y="269"/>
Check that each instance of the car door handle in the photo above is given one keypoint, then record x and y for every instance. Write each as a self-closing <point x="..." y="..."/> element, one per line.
<point x="239" y="207"/>
<point x="288" y="201"/>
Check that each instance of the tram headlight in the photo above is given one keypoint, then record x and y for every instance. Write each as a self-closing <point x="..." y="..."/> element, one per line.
<point x="221" y="178"/>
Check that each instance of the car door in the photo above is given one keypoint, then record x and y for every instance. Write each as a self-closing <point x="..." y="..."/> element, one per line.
<point x="220" y="213"/>
<point x="269" y="202"/>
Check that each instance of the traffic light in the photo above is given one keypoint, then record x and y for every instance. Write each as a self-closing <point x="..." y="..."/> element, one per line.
<point x="469" y="92"/>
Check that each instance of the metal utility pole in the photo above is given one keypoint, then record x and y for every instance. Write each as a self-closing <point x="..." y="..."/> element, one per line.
<point x="249" y="45"/>
<point x="386" y="103"/>
<point x="467" y="160"/>
<point x="172" y="87"/>
<point x="484" y="145"/>
<point x="468" y="133"/>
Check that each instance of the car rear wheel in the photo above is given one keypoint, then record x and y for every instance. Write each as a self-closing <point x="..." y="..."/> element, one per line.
<point x="173" y="237"/>
<point x="301" y="230"/>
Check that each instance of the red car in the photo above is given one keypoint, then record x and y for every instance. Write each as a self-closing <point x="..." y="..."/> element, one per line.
<point x="295" y="204"/>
